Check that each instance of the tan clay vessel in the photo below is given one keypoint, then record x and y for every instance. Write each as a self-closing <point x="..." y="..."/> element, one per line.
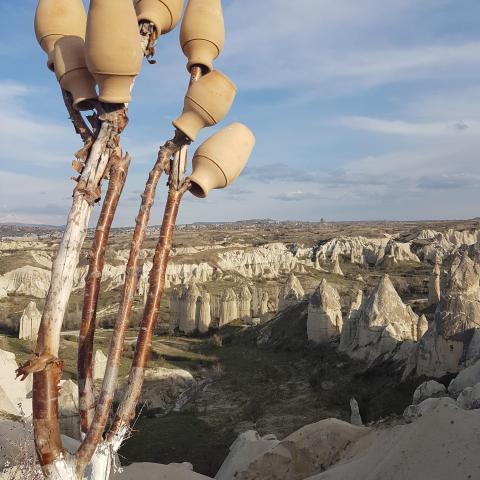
<point x="219" y="160"/>
<point x="207" y="102"/>
<point x="164" y="14"/>
<point x="203" y="32"/>
<point x="71" y="71"/>
<point x="112" y="48"/>
<point x="55" y="19"/>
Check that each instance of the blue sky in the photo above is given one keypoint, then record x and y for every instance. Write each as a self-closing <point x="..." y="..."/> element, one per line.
<point x="362" y="109"/>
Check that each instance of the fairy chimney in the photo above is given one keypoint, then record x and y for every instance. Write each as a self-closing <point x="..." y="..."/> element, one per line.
<point x="228" y="307"/>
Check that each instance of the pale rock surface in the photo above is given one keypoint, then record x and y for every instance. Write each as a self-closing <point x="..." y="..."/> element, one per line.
<point x="99" y="365"/>
<point x="469" y="399"/>
<point x="157" y="471"/>
<point x="355" y="417"/>
<point x="68" y="398"/>
<point x="350" y="325"/>
<point x="309" y="450"/>
<point x="189" y="315"/>
<point x="228" y="307"/>
<point x="428" y="389"/>
<point x="324" y="319"/>
<point x="12" y="391"/>
<point x="360" y="250"/>
<point x="337" y="270"/>
<point x="30" y="322"/>
<point x="416" y="411"/>
<point x="27" y="280"/>
<point x="244" y="450"/>
<point x="397" y="252"/>
<point x="442" y="444"/>
<point x="434" y="286"/>
<point x="468" y="377"/>
<point x="422" y="327"/>
<point x="244" y="303"/>
<point x="175" y="309"/>
<point x="204" y="313"/>
<point x="382" y="323"/>
<point x="292" y="292"/>
<point x="264" y="304"/>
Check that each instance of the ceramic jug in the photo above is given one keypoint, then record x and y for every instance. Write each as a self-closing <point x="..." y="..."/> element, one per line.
<point x="207" y="102"/>
<point x="202" y="34"/>
<point x="112" y="48"/>
<point x="219" y="160"/>
<point x="56" y="18"/>
<point x="71" y="71"/>
<point x="164" y="14"/>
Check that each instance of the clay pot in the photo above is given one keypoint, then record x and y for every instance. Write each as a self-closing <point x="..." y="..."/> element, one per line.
<point x="219" y="160"/>
<point x="207" y="102"/>
<point x="164" y="14"/>
<point x="71" y="71"/>
<point x="55" y="19"/>
<point x="203" y="32"/>
<point x="112" y="48"/>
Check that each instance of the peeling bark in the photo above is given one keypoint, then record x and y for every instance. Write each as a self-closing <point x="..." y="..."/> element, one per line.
<point x="118" y="175"/>
<point x="104" y="404"/>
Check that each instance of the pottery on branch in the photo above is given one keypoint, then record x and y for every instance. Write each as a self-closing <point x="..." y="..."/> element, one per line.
<point x="112" y="48"/>
<point x="202" y="34"/>
<point x="55" y="19"/>
<point x="164" y="14"/>
<point x="71" y="71"/>
<point x="219" y="160"/>
<point x="207" y="102"/>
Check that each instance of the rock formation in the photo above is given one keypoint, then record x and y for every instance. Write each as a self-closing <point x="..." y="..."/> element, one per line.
<point x="99" y="365"/>
<point x="175" y="309"/>
<point x="244" y="303"/>
<point x="228" y="307"/>
<point x="355" y="417"/>
<point x="324" y="319"/>
<point x="434" y="286"/>
<point x="336" y="267"/>
<point x="264" y="304"/>
<point x="204" y="313"/>
<point x="422" y="327"/>
<point x="291" y="293"/>
<point x="381" y="325"/>
<point x="189" y="312"/>
<point x="27" y="280"/>
<point x="350" y="325"/>
<point x="30" y="322"/>
<point x="448" y="341"/>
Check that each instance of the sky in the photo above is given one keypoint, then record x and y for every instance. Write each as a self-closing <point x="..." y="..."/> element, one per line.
<point x="362" y="110"/>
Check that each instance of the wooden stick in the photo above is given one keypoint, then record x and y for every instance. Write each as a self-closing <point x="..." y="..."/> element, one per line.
<point x="118" y="175"/>
<point x="94" y="435"/>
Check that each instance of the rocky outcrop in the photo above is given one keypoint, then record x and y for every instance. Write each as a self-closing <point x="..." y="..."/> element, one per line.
<point x="383" y="326"/>
<point x="397" y="252"/>
<point x="309" y="450"/>
<point x="204" y="313"/>
<point x="99" y="365"/>
<point x="428" y="389"/>
<point x="228" y="307"/>
<point x="189" y="309"/>
<point x="350" y="325"/>
<point x="451" y="338"/>
<point x="355" y="417"/>
<point x="245" y="303"/>
<point x="247" y="447"/>
<point x="13" y="393"/>
<point x="359" y="250"/>
<point x="434" y="286"/>
<point x="27" y="280"/>
<point x="468" y="377"/>
<point x="336" y="267"/>
<point x="324" y="319"/>
<point x="175" y="309"/>
<point x="264" y="304"/>
<point x="30" y="322"/>
<point x="422" y="327"/>
<point x="292" y="292"/>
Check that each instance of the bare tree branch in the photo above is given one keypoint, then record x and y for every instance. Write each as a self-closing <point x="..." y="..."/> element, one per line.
<point x="118" y="174"/>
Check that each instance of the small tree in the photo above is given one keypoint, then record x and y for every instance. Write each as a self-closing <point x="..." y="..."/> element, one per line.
<point x="105" y="48"/>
